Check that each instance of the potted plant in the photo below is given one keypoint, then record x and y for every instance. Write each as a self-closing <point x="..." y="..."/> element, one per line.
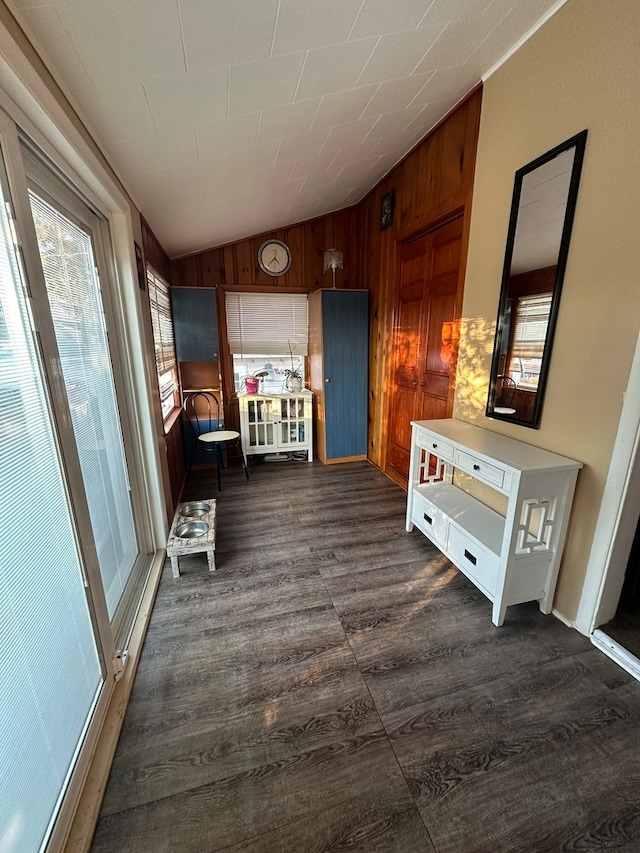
<point x="292" y="376"/>
<point x="252" y="382"/>
<point x="292" y="380"/>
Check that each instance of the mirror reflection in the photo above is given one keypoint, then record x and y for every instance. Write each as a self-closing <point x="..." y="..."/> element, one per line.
<point x="542" y="209"/>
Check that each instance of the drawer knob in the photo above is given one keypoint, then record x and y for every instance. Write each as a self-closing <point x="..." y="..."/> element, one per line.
<point x="434" y="445"/>
<point x="476" y="467"/>
<point x="428" y="518"/>
<point x="470" y="557"/>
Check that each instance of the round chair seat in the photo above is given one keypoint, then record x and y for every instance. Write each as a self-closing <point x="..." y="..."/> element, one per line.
<point x="219" y="435"/>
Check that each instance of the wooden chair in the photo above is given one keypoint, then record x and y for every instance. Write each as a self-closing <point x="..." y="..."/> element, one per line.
<point x="202" y="410"/>
<point x="505" y="392"/>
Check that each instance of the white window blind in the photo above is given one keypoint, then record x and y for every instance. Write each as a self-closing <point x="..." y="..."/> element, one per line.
<point x="69" y="266"/>
<point x="532" y="320"/>
<point x="163" y="339"/>
<point x="49" y="665"/>
<point x="162" y="322"/>
<point x="267" y="323"/>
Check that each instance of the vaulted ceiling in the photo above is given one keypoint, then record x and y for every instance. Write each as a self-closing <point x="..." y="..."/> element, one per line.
<point x="226" y="118"/>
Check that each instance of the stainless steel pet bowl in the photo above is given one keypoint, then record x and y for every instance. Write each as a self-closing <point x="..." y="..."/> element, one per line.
<point x="192" y="529"/>
<point x="195" y="509"/>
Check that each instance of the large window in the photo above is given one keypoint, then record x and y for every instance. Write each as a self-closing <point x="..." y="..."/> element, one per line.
<point x="163" y="341"/>
<point x="70" y="266"/>
<point x="267" y="333"/>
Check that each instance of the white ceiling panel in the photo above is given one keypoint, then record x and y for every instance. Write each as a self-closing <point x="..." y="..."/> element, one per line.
<point x="225" y="118"/>
<point x="154" y="153"/>
<point x="114" y="117"/>
<point x="457" y="42"/>
<point x="187" y="99"/>
<point x="251" y="159"/>
<point x="312" y="165"/>
<point x="399" y="55"/>
<point x="305" y="145"/>
<point x="343" y="107"/>
<point x="334" y="69"/>
<point x="116" y="43"/>
<point x="221" y="137"/>
<point x="397" y="94"/>
<point x="263" y="84"/>
<point x="288" y="120"/>
<point x="392" y="122"/>
<point x="302" y="26"/>
<point x="349" y="134"/>
<point x="226" y="32"/>
<point x="380" y="17"/>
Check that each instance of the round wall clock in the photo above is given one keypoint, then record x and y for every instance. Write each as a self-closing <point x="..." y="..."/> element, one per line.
<point x="274" y="257"/>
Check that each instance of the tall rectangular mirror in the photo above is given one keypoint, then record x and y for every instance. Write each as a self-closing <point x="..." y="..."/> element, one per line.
<point x="542" y="210"/>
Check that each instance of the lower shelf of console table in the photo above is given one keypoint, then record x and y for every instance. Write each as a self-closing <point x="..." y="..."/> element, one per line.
<point x="511" y="558"/>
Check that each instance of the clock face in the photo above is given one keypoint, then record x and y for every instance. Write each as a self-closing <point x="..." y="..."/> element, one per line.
<point x="274" y="257"/>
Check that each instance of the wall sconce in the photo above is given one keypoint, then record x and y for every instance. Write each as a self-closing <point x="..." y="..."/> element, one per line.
<point x="333" y="262"/>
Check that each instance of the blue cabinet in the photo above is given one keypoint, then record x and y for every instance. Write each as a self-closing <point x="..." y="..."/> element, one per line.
<point x="339" y="368"/>
<point x="195" y="328"/>
<point x="195" y="323"/>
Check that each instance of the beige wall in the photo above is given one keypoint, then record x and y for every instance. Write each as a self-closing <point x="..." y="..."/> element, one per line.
<point x="581" y="70"/>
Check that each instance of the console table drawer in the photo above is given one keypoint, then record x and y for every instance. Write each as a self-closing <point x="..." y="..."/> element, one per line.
<point x="480" y="469"/>
<point x="429" y="519"/>
<point x="436" y="446"/>
<point x="480" y="565"/>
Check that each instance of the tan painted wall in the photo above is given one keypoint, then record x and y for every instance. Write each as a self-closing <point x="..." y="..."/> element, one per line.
<point x="581" y="70"/>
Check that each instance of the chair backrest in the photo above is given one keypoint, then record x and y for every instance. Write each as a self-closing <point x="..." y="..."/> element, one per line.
<point x="505" y="390"/>
<point x="202" y="409"/>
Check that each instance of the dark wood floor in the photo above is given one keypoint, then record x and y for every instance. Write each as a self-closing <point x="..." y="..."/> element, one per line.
<point x="337" y="685"/>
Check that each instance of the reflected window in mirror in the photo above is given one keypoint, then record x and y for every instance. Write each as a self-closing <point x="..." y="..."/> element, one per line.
<point x="542" y="210"/>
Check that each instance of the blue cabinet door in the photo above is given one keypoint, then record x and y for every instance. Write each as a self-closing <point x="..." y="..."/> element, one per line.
<point x="195" y="323"/>
<point x="345" y="346"/>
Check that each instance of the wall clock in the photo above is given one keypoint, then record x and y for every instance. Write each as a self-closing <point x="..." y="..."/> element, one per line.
<point x="274" y="257"/>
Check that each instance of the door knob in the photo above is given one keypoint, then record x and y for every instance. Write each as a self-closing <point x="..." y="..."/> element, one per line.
<point x="327" y="380"/>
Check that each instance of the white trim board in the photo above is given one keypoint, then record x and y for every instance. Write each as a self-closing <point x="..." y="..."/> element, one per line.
<point x="617" y="653"/>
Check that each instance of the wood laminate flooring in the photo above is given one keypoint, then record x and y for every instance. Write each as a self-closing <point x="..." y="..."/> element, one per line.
<point x="336" y="685"/>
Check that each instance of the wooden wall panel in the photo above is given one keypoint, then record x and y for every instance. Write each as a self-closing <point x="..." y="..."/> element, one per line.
<point x="175" y="460"/>
<point x="431" y="183"/>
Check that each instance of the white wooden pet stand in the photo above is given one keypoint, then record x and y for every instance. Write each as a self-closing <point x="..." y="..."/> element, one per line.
<point x="179" y="547"/>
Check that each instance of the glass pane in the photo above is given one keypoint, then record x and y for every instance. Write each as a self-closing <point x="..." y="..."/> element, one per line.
<point x="50" y="671"/>
<point x="69" y="268"/>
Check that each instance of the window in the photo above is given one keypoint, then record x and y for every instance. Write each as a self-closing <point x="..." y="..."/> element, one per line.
<point x="531" y="320"/>
<point x="49" y="659"/>
<point x="267" y="332"/>
<point x="70" y="265"/>
<point x="163" y="340"/>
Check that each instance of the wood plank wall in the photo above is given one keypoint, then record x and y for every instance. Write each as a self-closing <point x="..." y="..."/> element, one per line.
<point x="430" y="184"/>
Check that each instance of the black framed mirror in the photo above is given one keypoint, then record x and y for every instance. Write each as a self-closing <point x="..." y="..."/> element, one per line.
<point x="542" y="211"/>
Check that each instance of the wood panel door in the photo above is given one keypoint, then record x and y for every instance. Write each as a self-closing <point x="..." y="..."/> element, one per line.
<point x="425" y="345"/>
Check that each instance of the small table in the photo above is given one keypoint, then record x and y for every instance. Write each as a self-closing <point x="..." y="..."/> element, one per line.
<point x="178" y="546"/>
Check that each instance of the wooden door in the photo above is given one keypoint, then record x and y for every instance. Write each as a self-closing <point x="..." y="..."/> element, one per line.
<point x="425" y="344"/>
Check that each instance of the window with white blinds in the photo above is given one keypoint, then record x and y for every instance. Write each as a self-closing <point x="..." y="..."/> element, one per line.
<point x="529" y="336"/>
<point x="267" y="323"/>
<point x="50" y="670"/>
<point x="163" y="340"/>
<point x="73" y="289"/>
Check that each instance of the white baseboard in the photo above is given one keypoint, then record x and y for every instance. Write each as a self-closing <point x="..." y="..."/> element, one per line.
<point x="616" y="652"/>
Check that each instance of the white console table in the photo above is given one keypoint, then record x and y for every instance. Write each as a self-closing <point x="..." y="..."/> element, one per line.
<point x="511" y="558"/>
